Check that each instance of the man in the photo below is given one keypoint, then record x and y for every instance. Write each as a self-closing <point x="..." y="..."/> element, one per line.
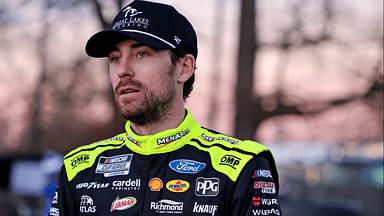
<point x="165" y="163"/>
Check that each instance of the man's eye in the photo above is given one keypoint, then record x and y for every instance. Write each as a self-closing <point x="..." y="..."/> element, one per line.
<point x="115" y="59"/>
<point x="141" y="54"/>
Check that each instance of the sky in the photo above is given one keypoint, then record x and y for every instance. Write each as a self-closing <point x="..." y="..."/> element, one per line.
<point x="326" y="72"/>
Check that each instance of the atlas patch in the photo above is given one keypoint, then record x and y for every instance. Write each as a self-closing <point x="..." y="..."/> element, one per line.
<point x="86" y="204"/>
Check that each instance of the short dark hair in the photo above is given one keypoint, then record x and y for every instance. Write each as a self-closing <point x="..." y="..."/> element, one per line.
<point x="188" y="85"/>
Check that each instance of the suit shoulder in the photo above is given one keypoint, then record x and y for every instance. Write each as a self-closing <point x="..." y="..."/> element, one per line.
<point x="90" y="148"/>
<point x="84" y="157"/>
<point x="228" y="155"/>
<point x="211" y="137"/>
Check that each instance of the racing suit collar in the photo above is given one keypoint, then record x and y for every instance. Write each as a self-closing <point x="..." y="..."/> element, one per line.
<point x="165" y="141"/>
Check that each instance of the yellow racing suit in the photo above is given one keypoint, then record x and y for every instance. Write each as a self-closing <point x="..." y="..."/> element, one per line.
<point x="188" y="170"/>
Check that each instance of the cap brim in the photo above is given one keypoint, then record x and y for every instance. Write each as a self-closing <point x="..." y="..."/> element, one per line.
<point x="102" y="43"/>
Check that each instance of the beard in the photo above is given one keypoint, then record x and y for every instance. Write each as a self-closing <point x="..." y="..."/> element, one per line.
<point x="152" y="108"/>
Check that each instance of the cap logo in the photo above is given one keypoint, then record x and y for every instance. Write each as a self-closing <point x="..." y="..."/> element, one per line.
<point x="154" y="24"/>
<point x="131" y="21"/>
<point x="177" y="40"/>
<point x="131" y="10"/>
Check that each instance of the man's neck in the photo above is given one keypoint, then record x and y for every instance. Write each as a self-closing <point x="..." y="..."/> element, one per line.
<point x="171" y="120"/>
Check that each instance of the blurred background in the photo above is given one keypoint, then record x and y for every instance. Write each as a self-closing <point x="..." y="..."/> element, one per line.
<point x="303" y="77"/>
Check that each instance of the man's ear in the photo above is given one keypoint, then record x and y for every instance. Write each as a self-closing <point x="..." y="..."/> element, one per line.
<point x="187" y="68"/>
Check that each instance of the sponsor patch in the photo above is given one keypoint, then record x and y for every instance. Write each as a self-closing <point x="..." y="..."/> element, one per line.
<point x="177" y="186"/>
<point x="92" y="185"/>
<point x="262" y="184"/>
<point x="262" y="173"/>
<point x="113" y="166"/>
<point x="132" y="140"/>
<point x="167" y="206"/>
<point x="268" y="190"/>
<point x="123" y="203"/>
<point x="266" y="187"/>
<point x="206" y="209"/>
<point x="54" y="211"/>
<point x="256" y="201"/>
<point x="207" y="186"/>
<point x="86" y="204"/>
<point x="267" y="201"/>
<point x="266" y="212"/>
<point x="126" y="185"/>
<point x="186" y="166"/>
<point x="112" y="139"/>
<point x="131" y="20"/>
<point x="155" y="184"/>
<point x="167" y="140"/>
<point x="211" y="139"/>
<point x="230" y="160"/>
<point x="83" y="158"/>
<point x="56" y="198"/>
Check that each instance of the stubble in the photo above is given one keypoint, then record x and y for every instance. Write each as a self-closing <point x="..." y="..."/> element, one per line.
<point x="153" y="107"/>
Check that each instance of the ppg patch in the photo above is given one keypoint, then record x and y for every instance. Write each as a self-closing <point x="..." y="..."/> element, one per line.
<point x="113" y="166"/>
<point x="207" y="186"/>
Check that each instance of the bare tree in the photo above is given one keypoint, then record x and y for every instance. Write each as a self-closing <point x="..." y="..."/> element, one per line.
<point x="80" y="73"/>
<point x="58" y="83"/>
<point x="249" y="112"/>
<point x="254" y="109"/>
<point x="216" y="61"/>
<point x="244" y="126"/>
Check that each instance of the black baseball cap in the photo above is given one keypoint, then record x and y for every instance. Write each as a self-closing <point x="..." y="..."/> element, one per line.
<point x="153" y="24"/>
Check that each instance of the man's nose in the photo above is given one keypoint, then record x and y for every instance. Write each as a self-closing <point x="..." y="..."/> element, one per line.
<point x="125" y="67"/>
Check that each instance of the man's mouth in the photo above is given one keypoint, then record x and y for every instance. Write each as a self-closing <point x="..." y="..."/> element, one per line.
<point x="128" y="91"/>
<point x="127" y="87"/>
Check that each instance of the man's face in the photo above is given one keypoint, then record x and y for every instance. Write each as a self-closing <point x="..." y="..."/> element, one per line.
<point x="143" y="81"/>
